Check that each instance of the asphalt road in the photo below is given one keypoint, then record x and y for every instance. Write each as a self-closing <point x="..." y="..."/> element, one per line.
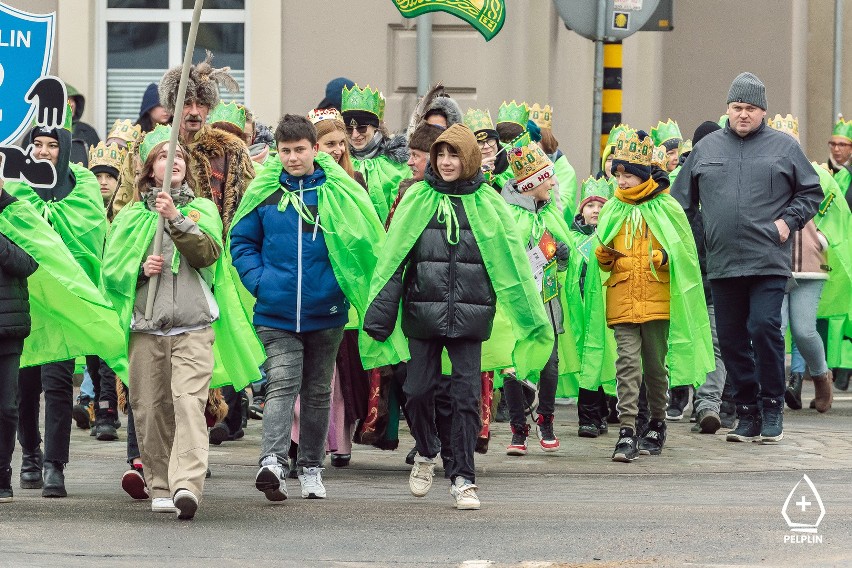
<point x="704" y="502"/>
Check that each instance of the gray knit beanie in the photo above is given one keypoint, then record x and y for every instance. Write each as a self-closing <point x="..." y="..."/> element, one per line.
<point x="747" y="88"/>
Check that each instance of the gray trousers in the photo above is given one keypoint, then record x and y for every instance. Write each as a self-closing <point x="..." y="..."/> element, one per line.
<point x="297" y="364"/>
<point x="709" y="395"/>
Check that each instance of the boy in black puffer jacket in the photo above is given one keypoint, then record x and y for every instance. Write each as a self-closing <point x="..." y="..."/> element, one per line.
<point x="451" y="255"/>
<point x="15" y="266"/>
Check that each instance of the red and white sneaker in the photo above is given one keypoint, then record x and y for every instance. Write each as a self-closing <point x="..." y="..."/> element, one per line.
<point x="518" y="446"/>
<point x="546" y="438"/>
<point x="133" y="482"/>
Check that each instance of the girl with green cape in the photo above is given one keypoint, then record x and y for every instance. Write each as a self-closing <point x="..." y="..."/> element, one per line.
<point x="73" y="207"/>
<point x="452" y="254"/>
<point x="379" y="157"/>
<point x="171" y="354"/>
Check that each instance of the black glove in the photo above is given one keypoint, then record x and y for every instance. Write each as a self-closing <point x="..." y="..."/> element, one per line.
<point x="561" y="256"/>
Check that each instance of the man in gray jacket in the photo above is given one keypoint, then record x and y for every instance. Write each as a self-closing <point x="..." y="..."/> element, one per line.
<point x="754" y="186"/>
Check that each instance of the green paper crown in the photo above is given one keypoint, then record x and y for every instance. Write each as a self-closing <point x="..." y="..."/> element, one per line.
<point x="842" y="128"/>
<point x="478" y="119"/>
<point x="596" y="188"/>
<point x="664" y="131"/>
<point x="514" y="112"/>
<point x="68" y="125"/>
<point x="613" y="134"/>
<point x="523" y="139"/>
<point x="723" y="120"/>
<point x="228" y="112"/>
<point x="162" y="133"/>
<point x="367" y="100"/>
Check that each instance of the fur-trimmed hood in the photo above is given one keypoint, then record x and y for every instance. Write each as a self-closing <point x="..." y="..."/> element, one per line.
<point x="396" y="148"/>
<point x="448" y="107"/>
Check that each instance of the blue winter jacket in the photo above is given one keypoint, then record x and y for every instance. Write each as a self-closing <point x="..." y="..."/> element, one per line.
<point x="283" y="262"/>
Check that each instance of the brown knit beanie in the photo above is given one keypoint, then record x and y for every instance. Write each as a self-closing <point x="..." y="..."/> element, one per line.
<point x="462" y="139"/>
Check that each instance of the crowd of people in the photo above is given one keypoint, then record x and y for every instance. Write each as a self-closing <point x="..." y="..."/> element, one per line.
<point x="332" y="279"/>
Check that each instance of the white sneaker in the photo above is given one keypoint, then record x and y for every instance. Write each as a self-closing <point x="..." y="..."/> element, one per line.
<point x="186" y="504"/>
<point x="311" y="480"/>
<point x="420" y="480"/>
<point x="162" y="505"/>
<point x="464" y="492"/>
<point x="271" y="480"/>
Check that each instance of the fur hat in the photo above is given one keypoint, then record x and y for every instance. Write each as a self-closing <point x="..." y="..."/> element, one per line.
<point x="446" y="106"/>
<point x="424" y="136"/>
<point x="202" y="86"/>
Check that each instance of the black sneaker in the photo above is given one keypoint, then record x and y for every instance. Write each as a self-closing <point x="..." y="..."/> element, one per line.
<point x="772" y="429"/>
<point x="6" y="485"/>
<point x="588" y="431"/>
<point x="748" y="429"/>
<point x="82" y="413"/>
<point x="546" y="438"/>
<point x="793" y="393"/>
<point x="678" y="400"/>
<point x="707" y="422"/>
<point x="626" y="449"/>
<point x="105" y="431"/>
<point x="518" y="446"/>
<point x="651" y="443"/>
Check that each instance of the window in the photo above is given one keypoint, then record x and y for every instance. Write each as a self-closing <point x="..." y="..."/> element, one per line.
<point x="140" y="39"/>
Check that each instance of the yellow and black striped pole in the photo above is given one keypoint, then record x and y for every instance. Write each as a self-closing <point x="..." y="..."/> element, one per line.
<point x="611" y="103"/>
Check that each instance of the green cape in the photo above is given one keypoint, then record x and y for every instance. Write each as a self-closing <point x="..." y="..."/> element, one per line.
<point x="237" y="351"/>
<point x="690" y="349"/>
<point x="354" y="237"/>
<point x="70" y="316"/>
<point x="843" y="179"/>
<point x="503" y="255"/>
<point x="383" y="176"/>
<point x="80" y="218"/>
<point x="580" y="315"/>
<point x="567" y="178"/>
<point x="673" y="175"/>
<point x="833" y="220"/>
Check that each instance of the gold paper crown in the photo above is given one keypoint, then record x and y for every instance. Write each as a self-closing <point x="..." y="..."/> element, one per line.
<point x="162" y="133"/>
<point x="320" y="114"/>
<point x="102" y="155"/>
<point x="659" y="157"/>
<point x="514" y="112"/>
<point x="530" y="165"/>
<point x="788" y="124"/>
<point x="628" y="148"/>
<point x="543" y="117"/>
<point x="478" y="119"/>
<point x="664" y="131"/>
<point x="125" y="130"/>
<point x="685" y="146"/>
<point x="842" y="128"/>
<point x="366" y="99"/>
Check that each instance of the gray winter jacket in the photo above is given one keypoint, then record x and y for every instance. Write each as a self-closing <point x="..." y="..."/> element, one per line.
<point x="743" y="185"/>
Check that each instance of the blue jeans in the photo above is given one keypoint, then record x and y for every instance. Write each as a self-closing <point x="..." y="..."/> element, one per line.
<point x="748" y="321"/>
<point x="799" y="310"/>
<point x="297" y="364"/>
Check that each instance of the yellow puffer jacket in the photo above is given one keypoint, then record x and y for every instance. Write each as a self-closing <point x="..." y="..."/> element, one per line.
<point x="634" y="294"/>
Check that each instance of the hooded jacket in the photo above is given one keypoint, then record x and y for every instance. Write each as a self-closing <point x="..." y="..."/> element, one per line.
<point x="81" y="130"/>
<point x="64" y="178"/>
<point x="744" y="184"/>
<point x="445" y="288"/>
<point x="15" y="266"/>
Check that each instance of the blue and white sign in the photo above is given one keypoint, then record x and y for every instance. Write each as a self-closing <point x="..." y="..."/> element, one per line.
<point x="26" y="48"/>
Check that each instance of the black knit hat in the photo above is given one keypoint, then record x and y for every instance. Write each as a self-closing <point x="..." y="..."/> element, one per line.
<point x="703" y="130"/>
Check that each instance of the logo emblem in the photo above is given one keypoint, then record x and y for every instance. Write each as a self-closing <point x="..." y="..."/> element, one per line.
<point x="26" y="47"/>
<point x="194" y="215"/>
<point x="803" y="510"/>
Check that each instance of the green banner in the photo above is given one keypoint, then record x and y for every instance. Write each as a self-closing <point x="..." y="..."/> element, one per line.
<point x="487" y="16"/>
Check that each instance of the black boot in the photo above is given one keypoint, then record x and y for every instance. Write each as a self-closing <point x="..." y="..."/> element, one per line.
<point x="5" y="485"/>
<point x="793" y="394"/>
<point x="31" y="466"/>
<point x="54" y="480"/>
<point x="105" y="429"/>
<point x="587" y="414"/>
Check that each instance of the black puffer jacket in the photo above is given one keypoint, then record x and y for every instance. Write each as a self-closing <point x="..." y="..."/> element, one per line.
<point x="15" y="266"/>
<point x="445" y="289"/>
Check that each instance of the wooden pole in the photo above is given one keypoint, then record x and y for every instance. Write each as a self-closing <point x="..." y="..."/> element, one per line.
<point x="170" y="159"/>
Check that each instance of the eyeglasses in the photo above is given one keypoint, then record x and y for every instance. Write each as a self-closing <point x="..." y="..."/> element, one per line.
<point x="362" y="128"/>
<point x="487" y="143"/>
<point x="839" y="144"/>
